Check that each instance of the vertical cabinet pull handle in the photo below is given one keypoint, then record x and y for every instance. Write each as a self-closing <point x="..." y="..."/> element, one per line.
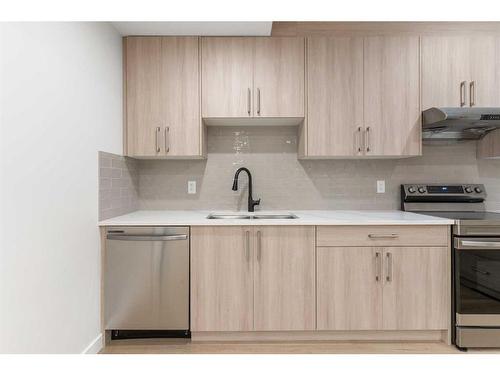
<point x="259" y="245"/>
<point x="367" y="140"/>
<point x="249" y="101"/>
<point x="472" y="93"/>
<point x="378" y="266"/>
<point x="388" y="277"/>
<point x="462" y="93"/>
<point x="157" y="139"/>
<point x="258" y="102"/>
<point x="360" y="142"/>
<point x="167" y="139"/>
<point x="247" y="245"/>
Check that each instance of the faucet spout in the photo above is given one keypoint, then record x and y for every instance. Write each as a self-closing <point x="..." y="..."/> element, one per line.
<point x="251" y="202"/>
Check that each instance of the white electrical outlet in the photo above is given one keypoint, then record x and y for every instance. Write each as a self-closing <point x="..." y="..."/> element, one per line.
<point x="191" y="187"/>
<point x="381" y="186"/>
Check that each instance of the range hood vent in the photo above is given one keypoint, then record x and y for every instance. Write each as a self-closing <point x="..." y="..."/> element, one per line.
<point x="459" y="124"/>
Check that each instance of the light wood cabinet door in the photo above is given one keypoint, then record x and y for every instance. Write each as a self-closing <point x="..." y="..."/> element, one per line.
<point x="416" y="288"/>
<point x="227" y="76"/>
<point x="484" y="85"/>
<point x="335" y="96"/>
<point x="349" y="288"/>
<point x="392" y="96"/>
<point x="284" y="278"/>
<point x="180" y="96"/>
<point x="143" y="93"/>
<point x="221" y="279"/>
<point x="445" y="66"/>
<point x="279" y="77"/>
<point x="162" y="97"/>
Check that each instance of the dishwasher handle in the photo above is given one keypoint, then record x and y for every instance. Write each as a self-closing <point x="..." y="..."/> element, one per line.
<point x="135" y="237"/>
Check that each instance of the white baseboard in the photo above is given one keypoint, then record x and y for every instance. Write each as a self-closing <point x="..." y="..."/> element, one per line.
<point x="94" y="346"/>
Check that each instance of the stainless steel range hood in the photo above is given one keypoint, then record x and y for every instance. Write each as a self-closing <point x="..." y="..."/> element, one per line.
<point x="457" y="124"/>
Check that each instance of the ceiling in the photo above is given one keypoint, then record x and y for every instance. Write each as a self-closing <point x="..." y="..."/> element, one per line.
<point x="193" y="28"/>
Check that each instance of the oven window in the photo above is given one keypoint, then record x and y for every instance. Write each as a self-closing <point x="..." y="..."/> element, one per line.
<point x="477" y="281"/>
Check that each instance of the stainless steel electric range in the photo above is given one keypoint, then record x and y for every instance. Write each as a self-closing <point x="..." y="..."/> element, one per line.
<point x="475" y="257"/>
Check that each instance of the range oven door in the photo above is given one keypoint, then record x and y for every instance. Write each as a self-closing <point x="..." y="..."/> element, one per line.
<point x="477" y="291"/>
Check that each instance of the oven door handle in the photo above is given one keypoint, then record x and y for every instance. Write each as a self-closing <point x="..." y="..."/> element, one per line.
<point x="477" y="244"/>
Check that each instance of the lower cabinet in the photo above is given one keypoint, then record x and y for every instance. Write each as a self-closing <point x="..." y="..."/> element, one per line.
<point x="349" y="293"/>
<point x="393" y="288"/>
<point x="284" y="279"/>
<point x="258" y="279"/>
<point x="221" y="279"/>
<point x="416" y="288"/>
<point x="253" y="278"/>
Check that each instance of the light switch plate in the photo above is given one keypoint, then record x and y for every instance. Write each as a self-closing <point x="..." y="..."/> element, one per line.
<point x="191" y="187"/>
<point x="381" y="186"/>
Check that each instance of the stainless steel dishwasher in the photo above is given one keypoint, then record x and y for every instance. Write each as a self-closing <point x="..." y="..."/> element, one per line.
<point x="146" y="278"/>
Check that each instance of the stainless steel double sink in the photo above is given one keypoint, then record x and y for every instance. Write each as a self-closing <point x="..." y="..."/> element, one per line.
<point x="252" y="216"/>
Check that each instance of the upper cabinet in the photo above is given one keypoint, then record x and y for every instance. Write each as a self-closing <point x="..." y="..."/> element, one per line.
<point x="392" y="116"/>
<point x="353" y="96"/>
<point x="363" y="97"/>
<point x="279" y="82"/>
<point x="227" y="77"/>
<point x="162" y="97"/>
<point x="463" y="71"/>
<point x="485" y="71"/>
<point x="460" y="71"/>
<point x="142" y="95"/>
<point x="335" y="96"/>
<point x="445" y="67"/>
<point x="252" y="77"/>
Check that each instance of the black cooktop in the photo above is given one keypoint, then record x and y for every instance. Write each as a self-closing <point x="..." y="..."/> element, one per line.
<point x="459" y="215"/>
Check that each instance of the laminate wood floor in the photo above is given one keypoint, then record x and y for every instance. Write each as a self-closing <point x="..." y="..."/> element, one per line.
<point x="183" y="346"/>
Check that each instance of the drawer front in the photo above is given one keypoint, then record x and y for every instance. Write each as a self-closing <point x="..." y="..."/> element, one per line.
<point x="381" y="235"/>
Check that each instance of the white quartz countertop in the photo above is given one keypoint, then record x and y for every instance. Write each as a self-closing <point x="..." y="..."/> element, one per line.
<point x="310" y="217"/>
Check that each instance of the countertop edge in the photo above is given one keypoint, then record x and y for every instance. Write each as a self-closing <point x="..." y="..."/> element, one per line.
<point x="360" y="218"/>
<point x="231" y="224"/>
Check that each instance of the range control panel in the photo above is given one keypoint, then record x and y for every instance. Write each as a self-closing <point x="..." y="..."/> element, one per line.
<point x="441" y="191"/>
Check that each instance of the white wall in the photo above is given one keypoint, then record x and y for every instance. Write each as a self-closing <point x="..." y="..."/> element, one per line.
<point x="60" y="102"/>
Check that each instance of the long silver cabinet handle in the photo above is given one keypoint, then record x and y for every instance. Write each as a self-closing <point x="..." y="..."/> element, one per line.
<point x="360" y="141"/>
<point x="167" y="139"/>
<point x="249" y="102"/>
<point x="259" y="245"/>
<point x="130" y="237"/>
<point x="258" y="102"/>
<point x="367" y="140"/>
<point x="388" y="277"/>
<point x="462" y="93"/>
<point x="378" y="266"/>
<point x="247" y="245"/>
<point x="379" y="236"/>
<point x="472" y="93"/>
<point x="157" y="140"/>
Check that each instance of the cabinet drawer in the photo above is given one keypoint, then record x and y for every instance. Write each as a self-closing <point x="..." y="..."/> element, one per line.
<point x="422" y="235"/>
